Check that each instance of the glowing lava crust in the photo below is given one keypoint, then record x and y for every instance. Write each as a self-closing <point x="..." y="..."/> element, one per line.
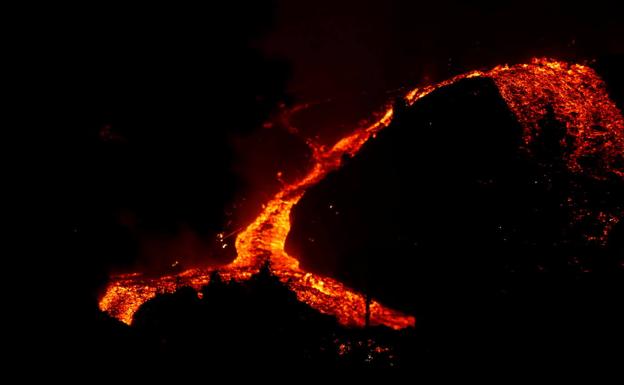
<point x="575" y="94"/>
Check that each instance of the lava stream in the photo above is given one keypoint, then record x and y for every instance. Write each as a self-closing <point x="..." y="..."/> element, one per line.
<point x="574" y="92"/>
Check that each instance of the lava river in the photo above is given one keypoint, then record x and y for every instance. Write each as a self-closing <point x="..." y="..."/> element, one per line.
<point x="574" y="92"/>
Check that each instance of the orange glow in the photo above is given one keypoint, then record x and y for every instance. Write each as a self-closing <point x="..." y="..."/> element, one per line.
<point x="578" y="99"/>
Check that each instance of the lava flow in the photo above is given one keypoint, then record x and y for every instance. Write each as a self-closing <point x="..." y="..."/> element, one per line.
<point x="575" y="94"/>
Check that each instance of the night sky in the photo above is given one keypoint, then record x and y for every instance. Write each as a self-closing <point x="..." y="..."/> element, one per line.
<point x="349" y="47"/>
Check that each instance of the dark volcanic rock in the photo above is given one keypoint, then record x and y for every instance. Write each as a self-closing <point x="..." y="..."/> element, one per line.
<point x="433" y="214"/>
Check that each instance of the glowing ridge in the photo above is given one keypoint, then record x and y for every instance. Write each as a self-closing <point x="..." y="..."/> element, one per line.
<point x="578" y="99"/>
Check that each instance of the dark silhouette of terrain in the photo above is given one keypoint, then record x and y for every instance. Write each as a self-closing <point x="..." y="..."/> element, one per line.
<point x="446" y="216"/>
<point x="258" y="323"/>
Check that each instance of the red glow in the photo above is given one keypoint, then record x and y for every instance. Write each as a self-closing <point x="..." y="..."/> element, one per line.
<point x="578" y="99"/>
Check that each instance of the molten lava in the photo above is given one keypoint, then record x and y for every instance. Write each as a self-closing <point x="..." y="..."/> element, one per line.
<point x="574" y="93"/>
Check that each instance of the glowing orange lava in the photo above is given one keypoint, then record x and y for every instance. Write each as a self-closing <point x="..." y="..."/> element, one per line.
<point x="578" y="99"/>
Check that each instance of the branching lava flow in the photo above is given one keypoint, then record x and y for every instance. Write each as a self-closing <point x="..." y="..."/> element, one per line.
<point x="574" y="92"/>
